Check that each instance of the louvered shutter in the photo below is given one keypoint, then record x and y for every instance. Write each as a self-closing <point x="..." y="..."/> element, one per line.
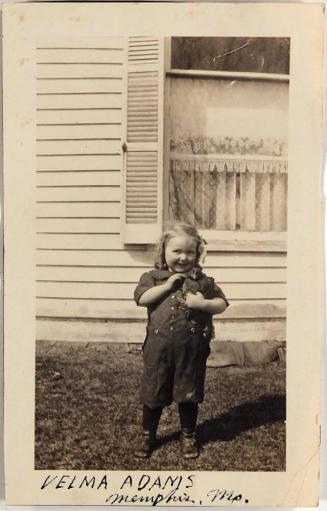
<point x="143" y="158"/>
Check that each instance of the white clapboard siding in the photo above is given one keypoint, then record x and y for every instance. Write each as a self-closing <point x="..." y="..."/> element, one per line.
<point x="79" y="123"/>
<point x="74" y="101"/>
<point x="78" y="225"/>
<point x="84" y="146"/>
<point x="78" y="193"/>
<point x="79" y="56"/>
<point x="142" y="219"/>
<point x="123" y="290"/>
<point x="85" y="85"/>
<point x="79" y="70"/>
<point x="80" y="162"/>
<point x="126" y="309"/>
<point x="78" y="132"/>
<point x="82" y="242"/>
<point x="101" y="116"/>
<point x="101" y="331"/>
<point x="78" y="210"/>
<point x="78" y="178"/>
<point x="88" y="103"/>
<point x="115" y="274"/>
<point x="144" y="258"/>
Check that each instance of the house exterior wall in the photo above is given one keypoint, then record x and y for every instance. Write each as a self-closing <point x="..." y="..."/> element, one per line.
<point x="85" y="274"/>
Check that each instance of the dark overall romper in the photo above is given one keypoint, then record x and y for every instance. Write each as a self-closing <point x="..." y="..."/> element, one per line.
<point x="177" y="343"/>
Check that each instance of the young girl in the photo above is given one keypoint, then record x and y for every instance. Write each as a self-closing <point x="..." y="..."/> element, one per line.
<point x="181" y="301"/>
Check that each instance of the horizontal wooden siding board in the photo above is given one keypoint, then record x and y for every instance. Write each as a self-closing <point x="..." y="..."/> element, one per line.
<point x="79" y="178"/>
<point x="77" y="131"/>
<point x="78" y="194"/>
<point x="79" y="241"/>
<point x="69" y="117"/>
<point x="61" y="101"/>
<point x="134" y="332"/>
<point x="50" y="86"/>
<point x="116" y="309"/>
<point x="78" y="210"/>
<point x="83" y="43"/>
<point x="83" y="162"/>
<point x="122" y="274"/>
<point x="98" y="70"/>
<point x="78" y="225"/>
<point x="125" y="291"/>
<point x="86" y="146"/>
<point x="143" y="258"/>
<point x="75" y="56"/>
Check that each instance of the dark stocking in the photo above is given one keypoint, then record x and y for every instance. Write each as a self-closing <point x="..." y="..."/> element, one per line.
<point x="188" y="414"/>
<point x="151" y="418"/>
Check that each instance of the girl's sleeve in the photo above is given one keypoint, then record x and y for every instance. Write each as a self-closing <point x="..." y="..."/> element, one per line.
<point x="146" y="282"/>
<point x="216" y="292"/>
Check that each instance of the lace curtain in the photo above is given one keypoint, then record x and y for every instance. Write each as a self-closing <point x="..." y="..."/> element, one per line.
<point x="229" y="194"/>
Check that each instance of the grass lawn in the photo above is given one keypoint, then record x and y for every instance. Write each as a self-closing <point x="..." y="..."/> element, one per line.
<point x="88" y="415"/>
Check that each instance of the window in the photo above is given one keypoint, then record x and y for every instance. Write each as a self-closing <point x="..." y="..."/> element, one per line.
<point x="227" y="130"/>
<point x="224" y="144"/>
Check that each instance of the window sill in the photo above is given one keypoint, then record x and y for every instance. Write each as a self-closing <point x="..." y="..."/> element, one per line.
<point x="245" y="241"/>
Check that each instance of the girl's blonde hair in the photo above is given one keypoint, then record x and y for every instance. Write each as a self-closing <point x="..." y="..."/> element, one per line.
<point x="176" y="230"/>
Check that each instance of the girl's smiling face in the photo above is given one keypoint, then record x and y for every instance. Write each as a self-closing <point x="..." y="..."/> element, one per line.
<point x="181" y="253"/>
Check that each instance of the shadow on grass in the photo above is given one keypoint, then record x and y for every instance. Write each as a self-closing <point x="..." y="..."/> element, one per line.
<point x="241" y="418"/>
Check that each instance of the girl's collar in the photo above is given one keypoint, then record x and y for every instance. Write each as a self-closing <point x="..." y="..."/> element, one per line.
<point x="194" y="274"/>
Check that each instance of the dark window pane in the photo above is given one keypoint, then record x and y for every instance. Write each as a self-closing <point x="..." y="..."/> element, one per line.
<point x="243" y="54"/>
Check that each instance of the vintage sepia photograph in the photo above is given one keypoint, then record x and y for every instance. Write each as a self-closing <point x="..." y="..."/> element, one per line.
<point x="162" y="253"/>
<point x="161" y="226"/>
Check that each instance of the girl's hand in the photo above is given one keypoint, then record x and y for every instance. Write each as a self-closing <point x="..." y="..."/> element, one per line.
<point x="175" y="280"/>
<point x="155" y="293"/>
<point x="195" y="301"/>
<point x="213" y="306"/>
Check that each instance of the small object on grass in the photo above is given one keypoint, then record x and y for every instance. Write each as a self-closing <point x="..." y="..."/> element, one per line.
<point x="132" y="347"/>
<point x="146" y="446"/>
<point x="247" y="353"/>
<point x="189" y="445"/>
